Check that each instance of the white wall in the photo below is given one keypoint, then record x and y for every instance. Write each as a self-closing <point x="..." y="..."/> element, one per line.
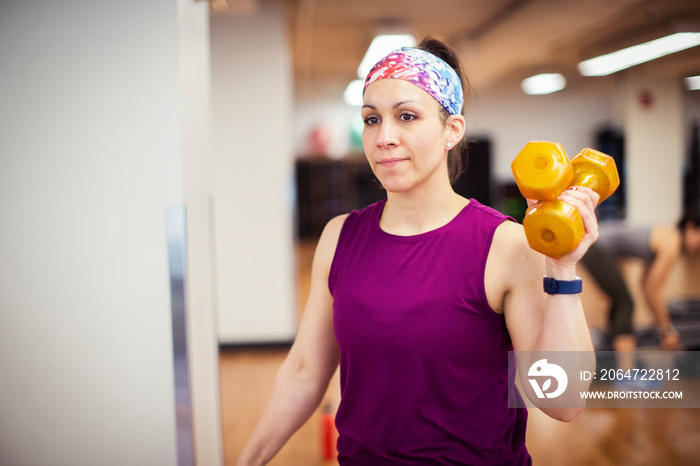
<point x="252" y="176"/>
<point x="91" y="144"/>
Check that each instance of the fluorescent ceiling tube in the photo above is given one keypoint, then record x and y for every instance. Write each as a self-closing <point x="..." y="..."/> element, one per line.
<point x="353" y="93"/>
<point x="544" y="83"/>
<point x="380" y="46"/>
<point x="637" y="54"/>
<point x="692" y="83"/>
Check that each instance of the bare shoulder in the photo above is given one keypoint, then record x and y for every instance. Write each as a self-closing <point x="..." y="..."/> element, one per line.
<point x="511" y="262"/>
<point x="510" y="244"/>
<point x="665" y="240"/>
<point x="331" y="231"/>
<point x="325" y="250"/>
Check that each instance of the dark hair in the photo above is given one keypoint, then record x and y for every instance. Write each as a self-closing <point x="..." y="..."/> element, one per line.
<point x="458" y="156"/>
<point x="689" y="216"/>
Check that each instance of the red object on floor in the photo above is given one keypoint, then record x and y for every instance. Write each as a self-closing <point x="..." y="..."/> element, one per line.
<point x="329" y="435"/>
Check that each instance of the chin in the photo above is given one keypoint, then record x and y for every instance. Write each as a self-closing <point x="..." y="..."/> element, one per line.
<point x="395" y="185"/>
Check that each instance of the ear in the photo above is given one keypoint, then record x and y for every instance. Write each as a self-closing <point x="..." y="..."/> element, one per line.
<point x="456" y="128"/>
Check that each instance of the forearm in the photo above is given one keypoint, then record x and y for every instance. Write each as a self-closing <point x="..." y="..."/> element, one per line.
<point x="295" y="396"/>
<point x="564" y="329"/>
<point x="564" y="340"/>
<point x="564" y="326"/>
<point x="657" y="303"/>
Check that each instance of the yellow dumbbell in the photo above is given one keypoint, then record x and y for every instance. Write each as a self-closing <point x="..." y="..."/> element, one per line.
<point x="542" y="171"/>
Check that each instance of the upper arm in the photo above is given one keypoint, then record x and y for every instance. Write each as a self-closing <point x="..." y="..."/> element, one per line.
<point x="514" y="284"/>
<point x="315" y="349"/>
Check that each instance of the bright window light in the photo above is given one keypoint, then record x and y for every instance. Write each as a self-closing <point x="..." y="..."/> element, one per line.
<point x="692" y="83"/>
<point x="544" y="83"/>
<point x="380" y="46"/>
<point x="637" y="54"/>
<point x="353" y="93"/>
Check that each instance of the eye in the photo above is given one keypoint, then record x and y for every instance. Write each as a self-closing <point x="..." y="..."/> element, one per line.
<point x="407" y="117"/>
<point x="371" y="120"/>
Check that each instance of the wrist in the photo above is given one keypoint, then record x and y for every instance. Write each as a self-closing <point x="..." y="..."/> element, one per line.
<point x="561" y="271"/>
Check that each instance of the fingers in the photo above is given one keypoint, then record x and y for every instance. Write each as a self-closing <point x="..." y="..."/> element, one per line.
<point x="577" y="194"/>
<point x="584" y="200"/>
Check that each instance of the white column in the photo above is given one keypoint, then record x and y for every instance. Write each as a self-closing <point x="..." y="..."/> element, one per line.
<point x="654" y="147"/>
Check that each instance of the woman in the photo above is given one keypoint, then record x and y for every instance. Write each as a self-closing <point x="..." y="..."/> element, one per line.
<point x="421" y="296"/>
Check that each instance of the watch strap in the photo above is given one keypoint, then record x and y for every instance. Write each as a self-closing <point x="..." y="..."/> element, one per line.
<point x="552" y="286"/>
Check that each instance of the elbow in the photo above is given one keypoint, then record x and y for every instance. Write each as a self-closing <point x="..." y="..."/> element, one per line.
<point x="305" y="378"/>
<point x="564" y="414"/>
<point x="295" y="371"/>
<point x="570" y="414"/>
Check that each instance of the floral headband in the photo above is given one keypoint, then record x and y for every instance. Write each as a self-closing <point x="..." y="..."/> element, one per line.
<point x="425" y="70"/>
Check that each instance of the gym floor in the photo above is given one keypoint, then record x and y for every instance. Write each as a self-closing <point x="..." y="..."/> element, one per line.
<point x="599" y="436"/>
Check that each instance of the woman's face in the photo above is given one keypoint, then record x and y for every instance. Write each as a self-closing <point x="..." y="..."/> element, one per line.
<point x="404" y="138"/>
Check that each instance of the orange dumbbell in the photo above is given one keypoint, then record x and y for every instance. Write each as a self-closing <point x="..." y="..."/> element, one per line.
<point x="542" y="171"/>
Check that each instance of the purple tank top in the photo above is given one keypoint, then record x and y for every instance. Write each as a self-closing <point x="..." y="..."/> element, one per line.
<point x="423" y="358"/>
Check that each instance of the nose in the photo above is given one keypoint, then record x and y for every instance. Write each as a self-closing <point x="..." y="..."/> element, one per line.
<point x="387" y="135"/>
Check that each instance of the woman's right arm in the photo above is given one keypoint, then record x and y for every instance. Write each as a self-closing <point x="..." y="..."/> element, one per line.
<point x="303" y="378"/>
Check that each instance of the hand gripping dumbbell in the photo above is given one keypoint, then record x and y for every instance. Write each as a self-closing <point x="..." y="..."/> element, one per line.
<point x="542" y="172"/>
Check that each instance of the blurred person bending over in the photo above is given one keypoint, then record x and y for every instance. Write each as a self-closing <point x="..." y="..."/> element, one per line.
<point x="659" y="247"/>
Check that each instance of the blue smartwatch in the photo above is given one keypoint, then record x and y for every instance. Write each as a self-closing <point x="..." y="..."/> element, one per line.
<point x="552" y="286"/>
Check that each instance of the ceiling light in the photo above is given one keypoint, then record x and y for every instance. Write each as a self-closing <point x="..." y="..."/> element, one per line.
<point x="637" y="54"/>
<point x="353" y="93"/>
<point x="544" y="83"/>
<point x="692" y="83"/>
<point x="380" y="46"/>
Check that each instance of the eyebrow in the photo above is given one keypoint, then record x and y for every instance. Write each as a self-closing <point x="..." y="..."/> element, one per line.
<point x="395" y="106"/>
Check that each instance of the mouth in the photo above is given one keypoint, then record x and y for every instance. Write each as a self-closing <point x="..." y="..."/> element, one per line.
<point x="392" y="161"/>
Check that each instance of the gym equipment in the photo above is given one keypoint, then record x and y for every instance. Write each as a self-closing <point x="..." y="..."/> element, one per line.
<point x="542" y="172"/>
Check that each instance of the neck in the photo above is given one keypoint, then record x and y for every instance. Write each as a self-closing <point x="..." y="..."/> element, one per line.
<point x="415" y="212"/>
